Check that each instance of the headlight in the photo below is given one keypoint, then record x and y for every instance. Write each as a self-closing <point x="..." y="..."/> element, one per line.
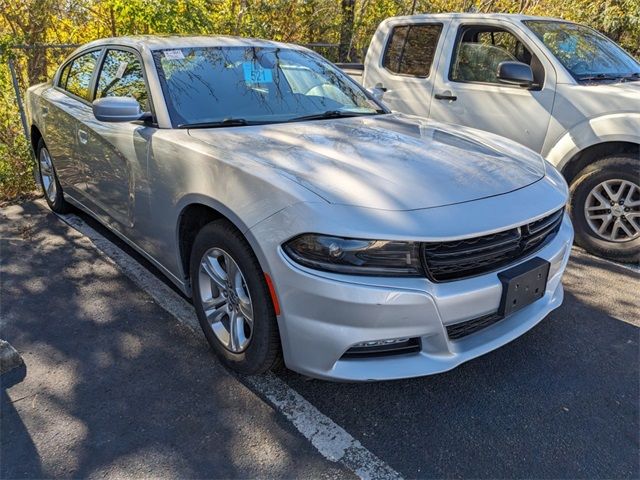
<point x="355" y="256"/>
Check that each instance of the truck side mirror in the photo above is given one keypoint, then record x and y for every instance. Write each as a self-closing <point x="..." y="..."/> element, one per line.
<point x="377" y="91"/>
<point x="117" y="109"/>
<point x="515" y="73"/>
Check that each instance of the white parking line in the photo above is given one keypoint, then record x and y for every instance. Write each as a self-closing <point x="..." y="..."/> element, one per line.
<point x="331" y="440"/>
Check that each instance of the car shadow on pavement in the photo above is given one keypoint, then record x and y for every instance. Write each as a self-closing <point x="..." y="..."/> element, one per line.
<point x="115" y="385"/>
<point x="16" y="441"/>
<point x="559" y="402"/>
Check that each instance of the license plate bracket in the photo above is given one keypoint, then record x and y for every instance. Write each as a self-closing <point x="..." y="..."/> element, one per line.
<point x="522" y="285"/>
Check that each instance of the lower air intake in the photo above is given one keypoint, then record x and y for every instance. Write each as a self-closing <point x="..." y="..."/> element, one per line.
<point x="462" y="329"/>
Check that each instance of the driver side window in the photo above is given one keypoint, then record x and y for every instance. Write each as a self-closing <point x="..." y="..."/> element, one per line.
<point x="480" y="50"/>
<point x="121" y="76"/>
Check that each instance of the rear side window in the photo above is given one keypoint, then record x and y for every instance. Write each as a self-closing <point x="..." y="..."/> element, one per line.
<point x="121" y="76"/>
<point x="78" y="80"/>
<point x="62" y="81"/>
<point x="411" y="48"/>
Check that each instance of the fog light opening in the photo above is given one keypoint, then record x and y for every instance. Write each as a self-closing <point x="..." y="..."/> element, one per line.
<point x="388" y="346"/>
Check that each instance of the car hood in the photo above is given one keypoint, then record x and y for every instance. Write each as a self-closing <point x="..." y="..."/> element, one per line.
<point x="392" y="162"/>
<point x="602" y="98"/>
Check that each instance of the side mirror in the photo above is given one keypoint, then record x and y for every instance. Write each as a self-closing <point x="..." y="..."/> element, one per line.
<point x="515" y="73"/>
<point x="117" y="109"/>
<point x="377" y="92"/>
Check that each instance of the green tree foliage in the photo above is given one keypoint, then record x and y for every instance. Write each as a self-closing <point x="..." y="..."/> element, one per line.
<point x="346" y="24"/>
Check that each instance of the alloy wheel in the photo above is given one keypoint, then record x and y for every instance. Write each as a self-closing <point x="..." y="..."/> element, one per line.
<point x="612" y="210"/>
<point x="47" y="175"/>
<point x="225" y="299"/>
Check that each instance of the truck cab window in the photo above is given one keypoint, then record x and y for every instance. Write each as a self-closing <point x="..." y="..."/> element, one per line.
<point x="411" y="48"/>
<point x="479" y="51"/>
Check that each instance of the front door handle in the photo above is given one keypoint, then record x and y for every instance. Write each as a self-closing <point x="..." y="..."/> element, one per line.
<point x="83" y="136"/>
<point x="445" y="96"/>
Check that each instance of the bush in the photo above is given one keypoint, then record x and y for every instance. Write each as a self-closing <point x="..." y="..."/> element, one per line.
<point x="16" y="169"/>
<point x="16" y="164"/>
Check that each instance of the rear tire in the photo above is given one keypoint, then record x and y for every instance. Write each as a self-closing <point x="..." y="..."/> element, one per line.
<point x="605" y="208"/>
<point x="49" y="180"/>
<point x="251" y="347"/>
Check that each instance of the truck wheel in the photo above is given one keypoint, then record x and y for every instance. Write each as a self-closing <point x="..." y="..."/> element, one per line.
<point x="49" y="181"/>
<point x="605" y="208"/>
<point x="232" y="300"/>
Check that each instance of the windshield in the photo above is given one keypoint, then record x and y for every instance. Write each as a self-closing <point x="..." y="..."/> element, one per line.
<point x="249" y="85"/>
<point x="587" y="54"/>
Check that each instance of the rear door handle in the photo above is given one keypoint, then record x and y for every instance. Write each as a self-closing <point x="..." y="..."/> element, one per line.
<point x="444" y="96"/>
<point x="83" y="136"/>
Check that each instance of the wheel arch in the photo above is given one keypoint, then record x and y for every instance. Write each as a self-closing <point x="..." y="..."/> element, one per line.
<point x="575" y="164"/>
<point x="35" y="136"/>
<point x="196" y="212"/>
<point x="592" y="139"/>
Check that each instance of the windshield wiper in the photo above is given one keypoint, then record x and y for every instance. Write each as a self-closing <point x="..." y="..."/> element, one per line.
<point x="227" y="122"/>
<point x="599" y="76"/>
<point x="606" y="76"/>
<point x="333" y="114"/>
<point x="633" y="77"/>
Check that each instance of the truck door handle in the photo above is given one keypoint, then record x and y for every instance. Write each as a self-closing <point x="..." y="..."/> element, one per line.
<point x="445" y="96"/>
<point x="82" y="136"/>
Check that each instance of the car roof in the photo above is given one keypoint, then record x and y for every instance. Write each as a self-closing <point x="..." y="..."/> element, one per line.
<point x="473" y="16"/>
<point x="161" y="42"/>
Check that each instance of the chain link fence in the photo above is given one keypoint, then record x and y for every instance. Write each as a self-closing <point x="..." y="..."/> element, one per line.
<point x="30" y="64"/>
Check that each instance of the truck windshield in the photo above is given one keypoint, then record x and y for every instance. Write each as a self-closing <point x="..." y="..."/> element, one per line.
<point x="238" y="86"/>
<point x="585" y="53"/>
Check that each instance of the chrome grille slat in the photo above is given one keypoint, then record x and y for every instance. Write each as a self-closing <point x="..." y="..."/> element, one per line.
<point x="471" y="257"/>
<point x="448" y="261"/>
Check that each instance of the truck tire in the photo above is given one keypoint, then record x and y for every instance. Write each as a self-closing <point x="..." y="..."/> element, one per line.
<point x="605" y="208"/>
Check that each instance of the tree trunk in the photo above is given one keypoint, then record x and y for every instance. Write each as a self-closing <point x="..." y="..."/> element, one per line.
<point x="38" y="20"/>
<point x="346" y="30"/>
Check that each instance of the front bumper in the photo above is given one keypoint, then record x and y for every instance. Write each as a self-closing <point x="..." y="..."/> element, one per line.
<point x="323" y="315"/>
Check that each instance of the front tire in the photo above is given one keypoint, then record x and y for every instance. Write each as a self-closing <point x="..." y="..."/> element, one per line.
<point x="605" y="208"/>
<point x="49" y="180"/>
<point x="232" y="300"/>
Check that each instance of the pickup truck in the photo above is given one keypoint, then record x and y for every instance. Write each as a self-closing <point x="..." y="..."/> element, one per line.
<point x="559" y="88"/>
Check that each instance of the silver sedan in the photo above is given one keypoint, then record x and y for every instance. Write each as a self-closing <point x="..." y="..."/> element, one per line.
<point x="307" y="222"/>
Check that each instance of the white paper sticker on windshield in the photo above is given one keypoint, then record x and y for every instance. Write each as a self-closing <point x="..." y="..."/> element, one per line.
<point x="121" y="69"/>
<point x="173" y="55"/>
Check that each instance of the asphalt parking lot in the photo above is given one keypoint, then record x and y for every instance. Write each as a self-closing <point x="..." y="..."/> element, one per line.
<point x="118" y="385"/>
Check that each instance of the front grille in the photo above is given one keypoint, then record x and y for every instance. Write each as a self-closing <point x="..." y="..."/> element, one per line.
<point x="447" y="261"/>
<point x="462" y="329"/>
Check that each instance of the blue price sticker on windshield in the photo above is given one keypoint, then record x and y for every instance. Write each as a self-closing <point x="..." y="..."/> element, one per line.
<point x="255" y="73"/>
